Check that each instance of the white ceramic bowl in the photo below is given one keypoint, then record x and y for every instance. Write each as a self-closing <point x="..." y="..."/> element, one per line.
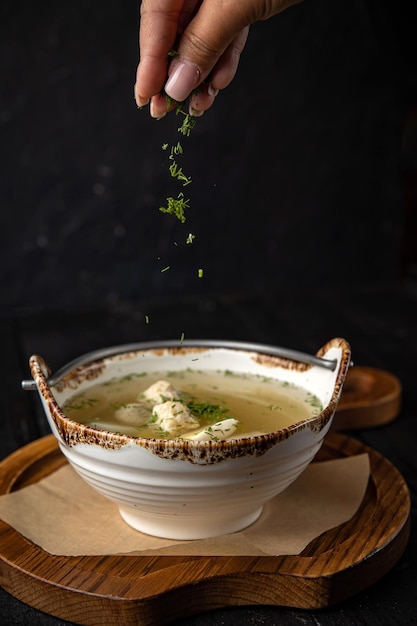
<point x="192" y="489"/>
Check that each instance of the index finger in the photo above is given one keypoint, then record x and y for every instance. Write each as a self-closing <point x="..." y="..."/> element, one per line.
<point x="157" y="34"/>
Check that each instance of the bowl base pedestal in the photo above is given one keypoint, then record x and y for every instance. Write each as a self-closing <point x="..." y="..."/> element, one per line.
<point x="177" y="528"/>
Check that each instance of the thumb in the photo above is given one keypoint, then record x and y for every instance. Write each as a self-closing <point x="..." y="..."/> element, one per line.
<point x="214" y="27"/>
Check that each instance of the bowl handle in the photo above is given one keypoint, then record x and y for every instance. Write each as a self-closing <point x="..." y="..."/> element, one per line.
<point x="292" y="355"/>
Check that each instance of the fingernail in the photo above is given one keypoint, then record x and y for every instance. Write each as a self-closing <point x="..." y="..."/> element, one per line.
<point x="141" y="102"/>
<point x="155" y="112"/>
<point x="183" y="79"/>
<point x="212" y="91"/>
<point x="195" y="112"/>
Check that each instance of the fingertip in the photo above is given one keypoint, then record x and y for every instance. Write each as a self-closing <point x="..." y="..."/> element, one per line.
<point x="195" y="112"/>
<point x="155" y="110"/>
<point x="202" y="99"/>
<point x="212" y="91"/>
<point x="141" y="101"/>
<point x="160" y="106"/>
<point x="183" y="78"/>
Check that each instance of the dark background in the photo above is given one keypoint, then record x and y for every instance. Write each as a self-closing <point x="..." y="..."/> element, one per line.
<point x="297" y="170"/>
<point x="303" y="202"/>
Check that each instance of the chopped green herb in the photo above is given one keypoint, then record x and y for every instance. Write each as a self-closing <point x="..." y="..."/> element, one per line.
<point x="209" y="431"/>
<point x="176" y="172"/>
<point x="187" y="124"/>
<point x="208" y="411"/>
<point x="162" y="432"/>
<point x="165" y="269"/>
<point x="176" y="150"/>
<point x="229" y="373"/>
<point x="314" y="401"/>
<point x="146" y="319"/>
<point x="182" y="338"/>
<point x="176" y="207"/>
<point x="82" y="403"/>
<point x="169" y="101"/>
<point x="131" y="376"/>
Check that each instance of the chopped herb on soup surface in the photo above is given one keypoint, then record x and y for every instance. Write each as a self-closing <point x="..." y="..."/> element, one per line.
<point x="194" y="405"/>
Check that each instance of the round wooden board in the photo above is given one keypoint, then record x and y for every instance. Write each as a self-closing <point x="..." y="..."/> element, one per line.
<point x="104" y="590"/>
<point x="370" y="397"/>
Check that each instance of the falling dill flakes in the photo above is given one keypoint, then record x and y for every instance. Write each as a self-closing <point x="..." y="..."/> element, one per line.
<point x="176" y="206"/>
<point x="182" y="338"/>
<point x="176" y="172"/>
<point x="187" y="124"/>
<point x="176" y="150"/>
<point x="165" y="269"/>
<point x="146" y="319"/>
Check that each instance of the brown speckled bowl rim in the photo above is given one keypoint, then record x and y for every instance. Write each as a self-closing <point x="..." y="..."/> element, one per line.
<point x="73" y="433"/>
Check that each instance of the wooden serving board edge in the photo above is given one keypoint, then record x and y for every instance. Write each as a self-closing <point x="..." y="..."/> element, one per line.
<point x="128" y="589"/>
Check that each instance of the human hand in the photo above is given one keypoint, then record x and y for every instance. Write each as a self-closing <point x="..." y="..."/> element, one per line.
<point x="209" y="36"/>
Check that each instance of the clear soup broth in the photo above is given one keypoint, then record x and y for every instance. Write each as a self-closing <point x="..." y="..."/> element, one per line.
<point x="192" y="404"/>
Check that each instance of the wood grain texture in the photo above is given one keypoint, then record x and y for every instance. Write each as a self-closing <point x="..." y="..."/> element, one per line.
<point x="370" y="397"/>
<point x="103" y="590"/>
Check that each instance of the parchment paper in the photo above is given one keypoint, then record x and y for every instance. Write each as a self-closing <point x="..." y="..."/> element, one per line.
<point x="64" y="516"/>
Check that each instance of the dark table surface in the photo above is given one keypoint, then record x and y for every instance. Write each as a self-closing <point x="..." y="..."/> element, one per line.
<point x="380" y="322"/>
